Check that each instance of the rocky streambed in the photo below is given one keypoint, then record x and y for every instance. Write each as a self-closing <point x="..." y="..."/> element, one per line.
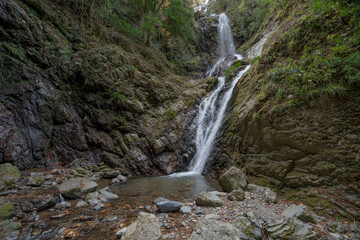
<point x="97" y="202"/>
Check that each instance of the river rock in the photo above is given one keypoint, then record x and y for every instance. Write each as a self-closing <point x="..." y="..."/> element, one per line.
<point x="120" y="232"/>
<point x="103" y="195"/>
<point x="76" y="187"/>
<point x="111" y="174"/>
<point x="233" y="179"/>
<point x="168" y="206"/>
<point x="303" y="213"/>
<point x="236" y="195"/>
<point x="249" y="226"/>
<point x="9" y="174"/>
<point x="146" y="226"/>
<point x="39" y="203"/>
<point x="160" y="199"/>
<point x="209" y="199"/>
<point x="7" y="228"/>
<point x="81" y="204"/>
<point x="209" y="227"/>
<point x="120" y="179"/>
<point x="185" y="210"/>
<point x="290" y="228"/>
<point x="270" y="196"/>
<point x="7" y="210"/>
<point x="34" y="181"/>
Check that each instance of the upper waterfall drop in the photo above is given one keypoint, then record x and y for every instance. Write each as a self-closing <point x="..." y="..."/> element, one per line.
<point x="226" y="42"/>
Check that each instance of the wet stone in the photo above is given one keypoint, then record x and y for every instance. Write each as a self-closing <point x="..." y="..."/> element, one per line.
<point x="168" y="206"/>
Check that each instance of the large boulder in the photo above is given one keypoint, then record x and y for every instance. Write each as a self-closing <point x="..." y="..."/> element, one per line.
<point x="146" y="226"/>
<point x="233" y="179"/>
<point x="209" y="199"/>
<point x="6" y="209"/>
<point x="290" y="228"/>
<point x="168" y="206"/>
<point x="103" y="195"/>
<point x="9" y="174"/>
<point x="303" y="213"/>
<point x="210" y="227"/>
<point x="249" y="226"/>
<point x="76" y="187"/>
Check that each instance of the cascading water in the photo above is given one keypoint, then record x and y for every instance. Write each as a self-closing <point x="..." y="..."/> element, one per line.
<point x="226" y="42"/>
<point x="212" y="109"/>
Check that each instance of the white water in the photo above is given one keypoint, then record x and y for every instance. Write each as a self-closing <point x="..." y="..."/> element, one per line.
<point x="226" y="42"/>
<point x="212" y="109"/>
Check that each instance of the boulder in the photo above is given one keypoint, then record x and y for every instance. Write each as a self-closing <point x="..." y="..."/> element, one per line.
<point x="303" y="213"/>
<point x="270" y="196"/>
<point x="209" y="227"/>
<point x="76" y="187"/>
<point x="9" y="174"/>
<point x="7" y="210"/>
<point x="103" y="195"/>
<point x="34" y="181"/>
<point x="39" y="203"/>
<point x="236" y="195"/>
<point x="290" y="228"/>
<point x="209" y="199"/>
<point x="146" y="226"/>
<point x="168" y="206"/>
<point x="7" y="228"/>
<point x="233" y="179"/>
<point x="249" y="226"/>
<point x="120" y="179"/>
<point x="158" y="146"/>
<point x="111" y="174"/>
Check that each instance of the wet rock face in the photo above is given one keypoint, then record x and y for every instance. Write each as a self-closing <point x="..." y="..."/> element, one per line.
<point x="61" y="101"/>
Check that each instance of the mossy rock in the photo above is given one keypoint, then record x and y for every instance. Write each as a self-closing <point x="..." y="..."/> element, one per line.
<point x="6" y="209"/>
<point x="9" y="174"/>
<point x="233" y="179"/>
<point x="8" y="227"/>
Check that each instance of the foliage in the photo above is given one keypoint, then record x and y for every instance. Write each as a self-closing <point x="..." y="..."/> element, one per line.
<point x="320" y="55"/>
<point x="232" y="68"/>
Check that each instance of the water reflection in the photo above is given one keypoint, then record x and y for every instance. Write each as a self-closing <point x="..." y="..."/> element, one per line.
<point x="142" y="191"/>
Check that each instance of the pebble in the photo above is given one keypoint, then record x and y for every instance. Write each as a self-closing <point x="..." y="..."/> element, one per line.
<point x="81" y="204"/>
<point x="121" y="232"/>
<point x="99" y="206"/>
<point x="58" y="216"/>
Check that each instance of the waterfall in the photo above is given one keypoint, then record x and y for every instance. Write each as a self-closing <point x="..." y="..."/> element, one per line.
<point x="226" y="42"/>
<point x="212" y="109"/>
<point x="210" y="120"/>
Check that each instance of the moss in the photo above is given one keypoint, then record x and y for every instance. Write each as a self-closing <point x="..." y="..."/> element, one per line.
<point x="170" y="114"/>
<point x="6" y="209"/>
